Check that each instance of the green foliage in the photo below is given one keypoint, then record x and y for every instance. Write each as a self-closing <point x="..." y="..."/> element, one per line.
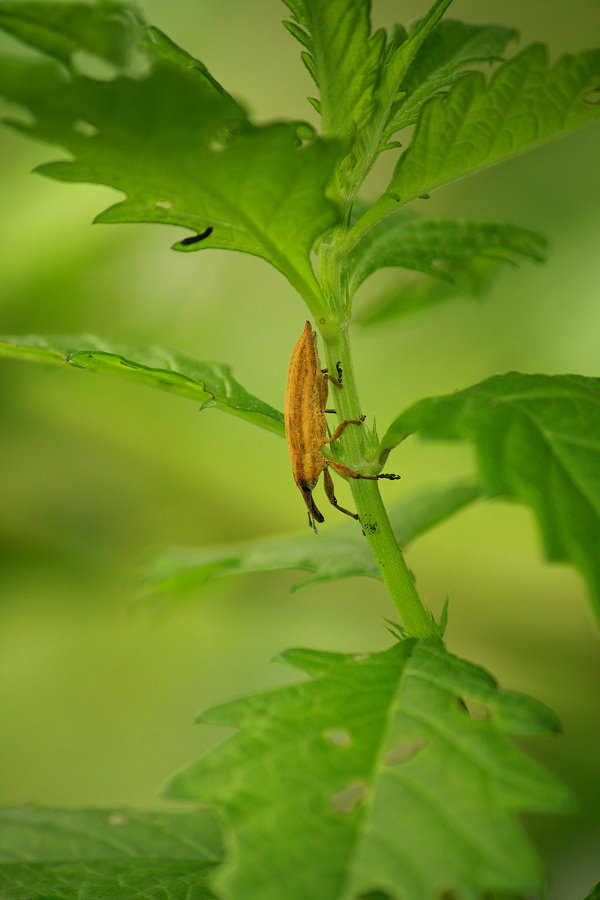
<point x="113" y="854"/>
<point x="429" y="245"/>
<point x="389" y="771"/>
<point x="537" y="439"/>
<point x="478" y="124"/>
<point x="210" y="383"/>
<point x="108" y="31"/>
<point x="445" y="53"/>
<point x="468" y="277"/>
<point x="142" y="879"/>
<point x="342" y="57"/>
<point x="339" y="553"/>
<point x="358" y="74"/>
<point x="182" y="151"/>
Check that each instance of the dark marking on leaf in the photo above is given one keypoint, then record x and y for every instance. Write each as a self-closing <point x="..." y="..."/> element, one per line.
<point x="593" y="98"/>
<point x="375" y="895"/>
<point x="196" y="238"/>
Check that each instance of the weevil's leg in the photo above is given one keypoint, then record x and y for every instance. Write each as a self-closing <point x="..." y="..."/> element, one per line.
<point x="351" y="473"/>
<point x="313" y="512"/>
<point x="329" y="490"/>
<point x="329" y="410"/>
<point x="337" y="381"/>
<point x="341" y="427"/>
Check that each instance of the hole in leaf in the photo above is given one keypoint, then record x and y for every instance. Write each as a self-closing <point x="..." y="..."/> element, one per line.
<point x="347" y="800"/>
<point x="138" y="64"/>
<point x="116" y="819"/>
<point x="404" y="751"/>
<point x="85" y="129"/>
<point x="163" y="204"/>
<point x="475" y="709"/>
<point x="92" y="66"/>
<point x="304" y="131"/>
<point x="339" y="737"/>
<point x="17" y="114"/>
<point x="223" y="135"/>
<point x="593" y="97"/>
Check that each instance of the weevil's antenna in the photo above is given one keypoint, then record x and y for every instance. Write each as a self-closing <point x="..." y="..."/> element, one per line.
<point x="311" y="524"/>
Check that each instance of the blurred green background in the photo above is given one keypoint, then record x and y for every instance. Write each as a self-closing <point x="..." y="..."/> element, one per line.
<point x="99" y="690"/>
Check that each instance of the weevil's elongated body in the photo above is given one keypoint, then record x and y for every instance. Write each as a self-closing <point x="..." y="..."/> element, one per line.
<point x="306" y="426"/>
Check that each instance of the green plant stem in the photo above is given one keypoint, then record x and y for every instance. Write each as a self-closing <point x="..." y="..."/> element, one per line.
<point x="369" y="504"/>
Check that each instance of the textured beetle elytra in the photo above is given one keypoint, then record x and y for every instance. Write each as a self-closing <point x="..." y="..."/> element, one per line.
<point x="306" y="426"/>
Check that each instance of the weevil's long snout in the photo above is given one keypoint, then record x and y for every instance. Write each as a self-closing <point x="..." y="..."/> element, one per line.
<point x="313" y="512"/>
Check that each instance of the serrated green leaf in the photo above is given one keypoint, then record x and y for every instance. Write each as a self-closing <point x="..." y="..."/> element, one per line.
<point x="108" y="30"/>
<point x="427" y="245"/>
<point x="358" y="73"/>
<point x="337" y="553"/>
<point x="401" y="51"/>
<point x="476" y="124"/>
<point x="444" y="54"/>
<point x="109" y="35"/>
<point x="38" y="834"/>
<point x="113" y="854"/>
<point x="139" y="879"/>
<point x="212" y="384"/>
<point x="390" y="772"/>
<point x="537" y="439"/>
<point x="179" y="147"/>
<point x="342" y="57"/>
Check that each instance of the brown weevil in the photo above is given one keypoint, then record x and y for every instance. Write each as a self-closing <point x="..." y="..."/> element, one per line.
<point x="306" y="426"/>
